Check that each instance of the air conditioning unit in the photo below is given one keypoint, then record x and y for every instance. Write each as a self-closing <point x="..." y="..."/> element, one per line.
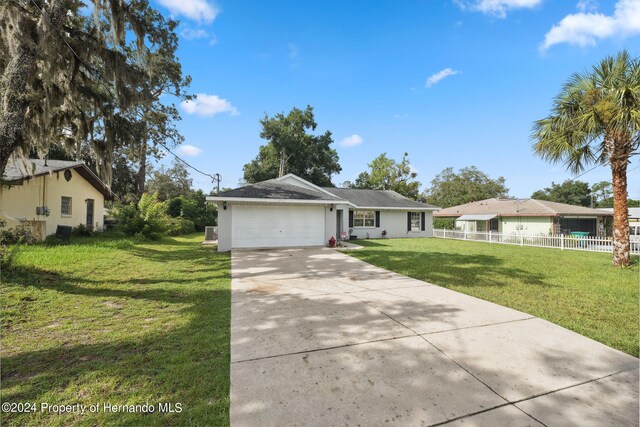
<point x="42" y="210"/>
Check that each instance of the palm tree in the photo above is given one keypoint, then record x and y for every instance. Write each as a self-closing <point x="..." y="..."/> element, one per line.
<point x="596" y="120"/>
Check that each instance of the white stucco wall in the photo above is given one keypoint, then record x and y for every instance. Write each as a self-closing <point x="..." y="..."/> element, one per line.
<point x="20" y="201"/>
<point x="395" y="222"/>
<point x="330" y="217"/>
<point x="224" y="227"/>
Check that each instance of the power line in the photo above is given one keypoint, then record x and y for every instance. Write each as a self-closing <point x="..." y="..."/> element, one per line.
<point x="586" y="172"/>
<point x="215" y="178"/>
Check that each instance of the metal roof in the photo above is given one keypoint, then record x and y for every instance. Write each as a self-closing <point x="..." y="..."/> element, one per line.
<point x="486" y="217"/>
<point x="518" y="207"/>
<point x="634" y="213"/>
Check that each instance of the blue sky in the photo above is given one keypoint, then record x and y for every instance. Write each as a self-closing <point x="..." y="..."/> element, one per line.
<point x="451" y="82"/>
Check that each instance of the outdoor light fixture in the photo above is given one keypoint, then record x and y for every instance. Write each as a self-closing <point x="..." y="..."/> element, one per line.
<point x="224" y="205"/>
<point x="331" y="208"/>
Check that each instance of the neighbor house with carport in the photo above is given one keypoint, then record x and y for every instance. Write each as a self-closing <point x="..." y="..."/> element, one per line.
<point x="290" y="211"/>
<point x="525" y="216"/>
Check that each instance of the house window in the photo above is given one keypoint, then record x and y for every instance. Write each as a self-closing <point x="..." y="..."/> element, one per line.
<point x="415" y="221"/>
<point x="364" y="219"/>
<point x="65" y="205"/>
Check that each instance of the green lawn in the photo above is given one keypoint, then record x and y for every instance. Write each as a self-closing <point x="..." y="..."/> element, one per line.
<point x="578" y="290"/>
<point x="120" y="321"/>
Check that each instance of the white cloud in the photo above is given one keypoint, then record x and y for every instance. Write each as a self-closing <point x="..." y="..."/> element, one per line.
<point x="194" y="33"/>
<point x="208" y="105"/>
<point x="587" y="5"/>
<point x="584" y="29"/>
<point x="351" y="141"/>
<point x="189" y="150"/>
<point x="440" y="75"/>
<point x="294" y="51"/>
<point x="198" y="33"/>
<point x="497" y="8"/>
<point x="197" y="10"/>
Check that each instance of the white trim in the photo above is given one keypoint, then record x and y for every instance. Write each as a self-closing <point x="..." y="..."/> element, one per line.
<point x="290" y="175"/>
<point x="270" y="201"/>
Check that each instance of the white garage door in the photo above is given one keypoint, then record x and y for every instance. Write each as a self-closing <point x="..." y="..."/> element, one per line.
<point x="277" y="226"/>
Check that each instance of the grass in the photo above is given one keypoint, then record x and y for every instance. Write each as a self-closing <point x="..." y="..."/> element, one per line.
<point x="580" y="291"/>
<point x="114" y="320"/>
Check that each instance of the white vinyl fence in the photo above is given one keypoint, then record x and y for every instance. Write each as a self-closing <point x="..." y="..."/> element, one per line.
<point x="558" y="241"/>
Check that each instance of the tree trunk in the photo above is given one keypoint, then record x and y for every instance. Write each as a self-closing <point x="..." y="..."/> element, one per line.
<point x="283" y="161"/>
<point x="15" y="102"/>
<point x="142" y="172"/>
<point x="621" y="245"/>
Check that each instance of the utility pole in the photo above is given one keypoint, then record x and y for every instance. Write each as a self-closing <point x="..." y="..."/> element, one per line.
<point x="216" y="179"/>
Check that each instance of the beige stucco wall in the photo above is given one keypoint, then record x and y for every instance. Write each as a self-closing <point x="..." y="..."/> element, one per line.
<point x="510" y="225"/>
<point x="19" y="202"/>
<point x="526" y="225"/>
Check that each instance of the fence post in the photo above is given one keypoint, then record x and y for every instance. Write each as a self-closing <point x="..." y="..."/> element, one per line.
<point x="521" y="240"/>
<point x="444" y="233"/>
<point x="562" y="242"/>
<point x="465" y="234"/>
<point x="489" y="236"/>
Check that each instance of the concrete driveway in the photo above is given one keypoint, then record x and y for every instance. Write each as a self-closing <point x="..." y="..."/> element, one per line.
<point x="321" y="339"/>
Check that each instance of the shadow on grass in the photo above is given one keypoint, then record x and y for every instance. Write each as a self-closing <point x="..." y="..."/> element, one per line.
<point x="183" y="361"/>
<point x="367" y="242"/>
<point x="450" y="269"/>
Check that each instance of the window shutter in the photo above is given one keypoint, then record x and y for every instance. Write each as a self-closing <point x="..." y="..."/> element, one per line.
<point x="377" y="219"/>
<point x="408" y="221"/>
<point x="350" y="219"/>
<point x="422" y="218"/>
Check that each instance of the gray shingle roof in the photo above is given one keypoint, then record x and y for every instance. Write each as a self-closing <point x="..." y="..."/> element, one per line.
<point x="517" y="207"/>
<point x="277" y="190"/>
<point x="377" y="198"/>
<point x="17" y="171"/>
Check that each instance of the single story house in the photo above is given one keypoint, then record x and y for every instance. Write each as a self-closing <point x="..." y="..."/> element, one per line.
<point x="290" y="211"/>
<point x="634" y="213"/>
<point x="525" y="216"/>
<point x="42" y="194"/>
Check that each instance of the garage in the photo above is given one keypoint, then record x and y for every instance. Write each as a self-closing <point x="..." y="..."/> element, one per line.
<point x="263" y="226"/>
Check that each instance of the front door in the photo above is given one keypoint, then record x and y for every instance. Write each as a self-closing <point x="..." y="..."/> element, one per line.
<point x="339" y="223"/>
<point x="89" y="223"/>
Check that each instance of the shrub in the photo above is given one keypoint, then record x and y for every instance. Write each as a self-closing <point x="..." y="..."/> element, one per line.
<point x="181" y="226"/>
<point x="193" y="206"/>
<point x="448" y="223"/>
<point x="128" y="219"/>
<point x="17" y="235"/>
<point x="14" y="237"/>
<point x="81" y="231"/>
<point x="148" y="218"/>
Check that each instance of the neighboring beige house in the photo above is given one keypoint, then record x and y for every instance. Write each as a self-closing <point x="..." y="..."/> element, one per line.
<point x="525" y="216"/>
<point x="43" y="194"/>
